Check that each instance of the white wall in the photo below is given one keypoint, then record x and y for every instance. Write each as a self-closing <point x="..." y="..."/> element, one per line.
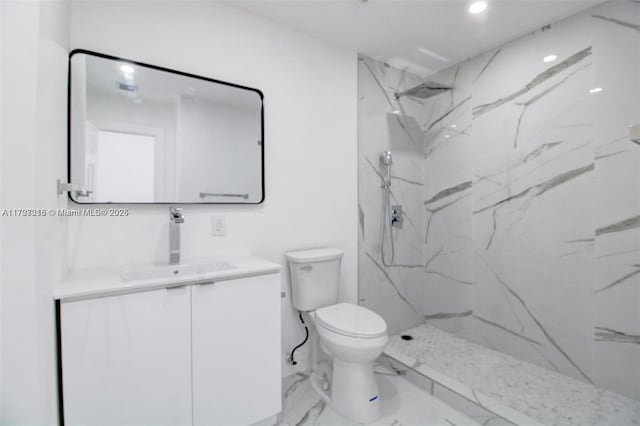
<point x="34" y="50"/>
<point x="310" y="137"/>
<point x="2" y="61"/>
<point x="18" y="289"/>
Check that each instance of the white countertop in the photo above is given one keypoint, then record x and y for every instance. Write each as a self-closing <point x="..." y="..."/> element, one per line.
<point x="108" y="281"/>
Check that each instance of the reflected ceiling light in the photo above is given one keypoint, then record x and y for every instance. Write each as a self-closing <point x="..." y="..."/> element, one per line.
<point x="432" y="54"/>
<point x="453" y="126"/>
<point x="396" y="112"/>
<point x="127" y="69"/>
<point x="595" y="90"/>
<point x="549" y="58"/>
<point x="477" y="7"/>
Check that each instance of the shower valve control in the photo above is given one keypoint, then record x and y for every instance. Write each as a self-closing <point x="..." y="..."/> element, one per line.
<point x="396" y="216"/>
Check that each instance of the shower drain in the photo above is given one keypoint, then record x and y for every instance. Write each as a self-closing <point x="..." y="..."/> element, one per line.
<point x="406" y="337"/>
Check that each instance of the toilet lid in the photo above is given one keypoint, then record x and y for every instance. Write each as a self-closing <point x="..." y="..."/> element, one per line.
<point x="352" y="320"/>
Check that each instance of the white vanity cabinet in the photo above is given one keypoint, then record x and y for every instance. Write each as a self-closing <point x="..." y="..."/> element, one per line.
<point x="126" y="359"/>
<point x="201" y="354"/>
<point x="236" y="351"/>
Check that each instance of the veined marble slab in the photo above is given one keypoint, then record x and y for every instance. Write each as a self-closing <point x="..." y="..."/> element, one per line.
<point x="403" y="404"/>
<point x="518" y="391"/>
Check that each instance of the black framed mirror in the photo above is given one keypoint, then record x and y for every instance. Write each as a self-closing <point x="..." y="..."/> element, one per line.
<point x="141" y="133"/>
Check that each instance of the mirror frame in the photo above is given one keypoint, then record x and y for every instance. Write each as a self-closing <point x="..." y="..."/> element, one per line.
<point x="182" y="73"/>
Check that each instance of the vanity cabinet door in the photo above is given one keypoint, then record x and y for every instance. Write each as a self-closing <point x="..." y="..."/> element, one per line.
<point x="236" y="350"/>
<point x="126" y="359"/>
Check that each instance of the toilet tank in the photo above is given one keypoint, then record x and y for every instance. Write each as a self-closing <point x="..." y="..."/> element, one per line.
<point x="315" y="277"/>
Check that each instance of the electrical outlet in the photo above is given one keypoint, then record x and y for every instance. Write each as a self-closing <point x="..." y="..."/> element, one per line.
<point x="219" y="228"/>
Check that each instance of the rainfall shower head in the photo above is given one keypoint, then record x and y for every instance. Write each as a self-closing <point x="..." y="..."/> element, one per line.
<point x="385" y="158"/>
<point x="425" y="90"/>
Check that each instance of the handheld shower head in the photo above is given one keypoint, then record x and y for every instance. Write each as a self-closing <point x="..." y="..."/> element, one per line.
<point x="385" y="158"/>
<point x="388" y="216"/>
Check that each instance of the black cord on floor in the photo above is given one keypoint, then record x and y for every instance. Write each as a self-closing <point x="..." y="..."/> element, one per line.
<point x="306" y="337"/>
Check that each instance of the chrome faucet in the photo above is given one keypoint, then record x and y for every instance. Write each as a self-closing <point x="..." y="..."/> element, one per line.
<point x="176" y="218"/>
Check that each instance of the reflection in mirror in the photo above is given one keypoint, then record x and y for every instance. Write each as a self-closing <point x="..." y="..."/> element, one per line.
<point x="140" y="134"/>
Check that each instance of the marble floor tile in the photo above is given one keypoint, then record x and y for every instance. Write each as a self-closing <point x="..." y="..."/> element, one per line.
<point x="403" y="404"/>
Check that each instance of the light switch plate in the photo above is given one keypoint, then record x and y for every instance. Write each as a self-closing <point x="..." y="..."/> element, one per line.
<point x="219" y="226"/>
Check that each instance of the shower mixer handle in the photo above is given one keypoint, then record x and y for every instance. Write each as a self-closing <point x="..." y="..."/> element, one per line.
<point x="396" y="216"/>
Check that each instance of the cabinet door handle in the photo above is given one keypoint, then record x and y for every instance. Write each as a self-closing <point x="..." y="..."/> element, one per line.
<point x="175" y="287"/>
<point x="205" y="283"/>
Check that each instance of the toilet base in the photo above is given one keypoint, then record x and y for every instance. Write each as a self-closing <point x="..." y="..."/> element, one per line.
<point x="354" y="391"/>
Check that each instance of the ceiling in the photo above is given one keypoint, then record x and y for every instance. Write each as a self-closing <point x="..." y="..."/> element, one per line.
<point x="104" y="76"/>
<point x="422" y="36"/>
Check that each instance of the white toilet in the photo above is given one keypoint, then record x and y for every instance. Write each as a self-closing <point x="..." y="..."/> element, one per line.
<point x="352" y="335"/>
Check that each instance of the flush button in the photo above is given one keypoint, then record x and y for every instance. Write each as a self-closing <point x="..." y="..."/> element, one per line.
<point x="306" y="268"/>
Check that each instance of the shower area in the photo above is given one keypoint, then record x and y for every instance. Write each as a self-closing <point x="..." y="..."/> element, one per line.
<point x="499" y="221"/>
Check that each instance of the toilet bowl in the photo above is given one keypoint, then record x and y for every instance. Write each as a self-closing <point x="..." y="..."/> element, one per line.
<point x="352" y="335"/>
<point x="350" y="332"/>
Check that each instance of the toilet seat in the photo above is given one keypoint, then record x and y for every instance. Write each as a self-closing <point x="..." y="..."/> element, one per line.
<point x="351" y="320"/>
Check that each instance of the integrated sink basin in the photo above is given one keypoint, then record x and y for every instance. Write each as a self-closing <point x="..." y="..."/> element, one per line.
<point x="177" y="273"/>
<point x="107" y="281"/>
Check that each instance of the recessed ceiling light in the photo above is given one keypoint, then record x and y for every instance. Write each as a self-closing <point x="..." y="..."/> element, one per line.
<point x="549" y="58"/>
<point x="477" y="7"/>
<point x="127" y="69"/>
<point x="595" y="90"/>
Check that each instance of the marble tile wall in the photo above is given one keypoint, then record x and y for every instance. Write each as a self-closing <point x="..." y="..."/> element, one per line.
<point x="386" y="124"/>
<point x="532" y="216"/>
<point x="616" y="253"/>
<point x="530" y="199"/>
